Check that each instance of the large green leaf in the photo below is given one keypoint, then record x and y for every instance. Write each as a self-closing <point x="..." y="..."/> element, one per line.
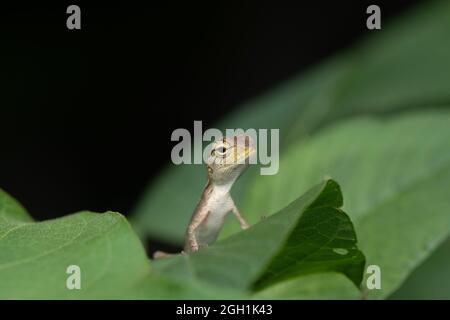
<point x="329" y="285"/>
<point x="395" y="173"/>
<point x="311" y="235"/>
<point x="405" y="66"/>
<point x="34" y="258"/>
<point x="431" y="280"/>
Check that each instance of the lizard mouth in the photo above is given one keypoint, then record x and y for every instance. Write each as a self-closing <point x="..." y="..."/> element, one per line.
<point x="236" y="159"/>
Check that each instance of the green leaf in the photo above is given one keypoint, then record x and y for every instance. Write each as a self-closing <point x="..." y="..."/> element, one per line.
<point x="390" y="71"/>
<point x="34" y="258"/>
<point x="311" y="235"/>
<point x="431" y="280"/>
<point x="11" y="212"/>
<point x="328" y="285"/>
<point x="324" y="240"/>
<point x="395" y="173"/>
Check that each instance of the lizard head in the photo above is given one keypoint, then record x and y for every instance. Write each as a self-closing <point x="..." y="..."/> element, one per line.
<point x="229" y="157"/>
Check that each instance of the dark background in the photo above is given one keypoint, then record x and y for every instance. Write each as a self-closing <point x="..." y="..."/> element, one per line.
<point x="86" y="115"/>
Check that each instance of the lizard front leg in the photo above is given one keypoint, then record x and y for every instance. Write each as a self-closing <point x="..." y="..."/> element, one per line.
<point x="191" y="239"/>
<point x="242" y="222"/>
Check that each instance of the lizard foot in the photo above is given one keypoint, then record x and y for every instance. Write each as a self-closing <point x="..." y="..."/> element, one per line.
<point x="244" y="226"/>
<point x="161" y="254"/>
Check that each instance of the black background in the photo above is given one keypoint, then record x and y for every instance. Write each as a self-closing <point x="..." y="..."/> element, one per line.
<point x="86" y="115"/>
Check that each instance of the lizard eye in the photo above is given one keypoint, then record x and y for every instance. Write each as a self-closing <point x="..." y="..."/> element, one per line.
<point x="221" y="150"/>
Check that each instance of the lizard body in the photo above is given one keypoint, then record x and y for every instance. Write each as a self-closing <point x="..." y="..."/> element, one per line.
<point x="226" y="162"/>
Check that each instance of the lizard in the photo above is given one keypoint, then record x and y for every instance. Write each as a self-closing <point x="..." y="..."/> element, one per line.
<point x="226" y="161"/>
